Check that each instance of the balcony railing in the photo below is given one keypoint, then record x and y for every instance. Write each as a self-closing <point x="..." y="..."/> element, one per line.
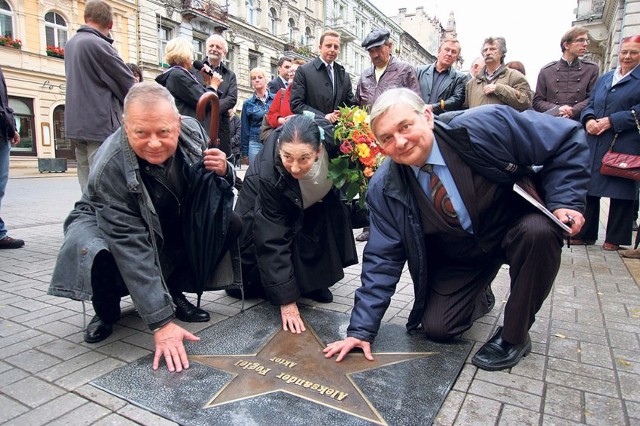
<point x="203" y="8"/>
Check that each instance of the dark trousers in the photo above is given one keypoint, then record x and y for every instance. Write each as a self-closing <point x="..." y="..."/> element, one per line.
<point x="108" y="287"/>
<point x="619" y="222"/>
<point x="531" y="247"/>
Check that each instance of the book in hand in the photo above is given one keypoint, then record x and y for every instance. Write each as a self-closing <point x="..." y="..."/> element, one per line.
<point x="535" y="201"/>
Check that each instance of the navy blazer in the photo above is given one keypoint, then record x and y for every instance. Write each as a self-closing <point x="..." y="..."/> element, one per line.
<point x="396" y="235"/>
<point x="616" y="103"/>
<point x="312" y="91"/>
<point x="276" y="84"/>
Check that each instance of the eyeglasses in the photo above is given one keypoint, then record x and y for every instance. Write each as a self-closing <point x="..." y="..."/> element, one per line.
<point x="582" y="41"/>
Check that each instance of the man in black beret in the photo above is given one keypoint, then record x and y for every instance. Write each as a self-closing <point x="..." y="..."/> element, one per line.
<point x="386" y="73"/>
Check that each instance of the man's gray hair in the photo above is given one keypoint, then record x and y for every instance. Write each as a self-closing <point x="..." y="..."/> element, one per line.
<point x="502" y="46"/>
<point x="222" y="39"/>
<point x="148" y="93"/>
<point x="394" y="97"/>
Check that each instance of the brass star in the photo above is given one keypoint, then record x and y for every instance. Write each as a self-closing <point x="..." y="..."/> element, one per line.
<point x="295" y="364"/>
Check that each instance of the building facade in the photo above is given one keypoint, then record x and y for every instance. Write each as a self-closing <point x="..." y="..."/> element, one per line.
<point x="32" y="39"/>
<point x="33" y="34"/>
<point x="608" y="22"/>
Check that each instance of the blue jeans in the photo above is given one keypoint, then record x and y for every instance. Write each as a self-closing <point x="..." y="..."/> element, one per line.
<point x="5" y="148"/>
<point x="254" y="149"/>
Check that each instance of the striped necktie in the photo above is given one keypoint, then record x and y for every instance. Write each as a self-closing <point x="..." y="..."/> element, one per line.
<point x="440" y="198"/>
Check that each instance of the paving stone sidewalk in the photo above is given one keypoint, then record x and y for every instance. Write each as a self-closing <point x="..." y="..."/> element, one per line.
<point x="584" y="368"/>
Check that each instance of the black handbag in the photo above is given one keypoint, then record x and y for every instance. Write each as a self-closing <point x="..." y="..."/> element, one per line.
<point x="617" y="164"/>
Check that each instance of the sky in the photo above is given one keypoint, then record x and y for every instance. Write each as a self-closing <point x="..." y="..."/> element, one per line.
<point x="532" y="28"/>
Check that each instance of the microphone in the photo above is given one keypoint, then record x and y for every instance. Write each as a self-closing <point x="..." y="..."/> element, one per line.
<point x="199" y="65"/>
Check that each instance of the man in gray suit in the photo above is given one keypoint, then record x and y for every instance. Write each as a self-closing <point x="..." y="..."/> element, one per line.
<point x="441" y="85"/>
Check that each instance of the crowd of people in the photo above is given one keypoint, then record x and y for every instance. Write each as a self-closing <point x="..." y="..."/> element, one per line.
<point x="442" y="202"/>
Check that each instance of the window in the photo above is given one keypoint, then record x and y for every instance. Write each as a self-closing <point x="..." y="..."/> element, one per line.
<point x="253" y="60"/>
<point x="164" y="35"/>
<point x="6" y="19"/>
<point x="273" y="21"/>
<point x="308" y="4"/>
<point x="55" y="28"/>
<point x="252" y="14"/>
<point x="25" y="123"/>
<point x="305" y="38"/>
<point x="291" y="28"/>
<point x="63" y="146"/>
<point x="229" y="59"/>
<point x="199" y="49"/>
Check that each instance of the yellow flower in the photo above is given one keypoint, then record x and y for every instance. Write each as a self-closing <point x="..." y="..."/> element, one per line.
<point x="359" y="116"/>
<point x="363" y="150"/>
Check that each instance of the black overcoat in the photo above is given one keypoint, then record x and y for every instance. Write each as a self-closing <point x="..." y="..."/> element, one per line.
<point x="290" y="250"/>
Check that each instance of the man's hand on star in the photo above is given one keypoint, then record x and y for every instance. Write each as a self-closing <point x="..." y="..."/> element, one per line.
<point x="343" y="347"/>
<point x="168" y="341"/>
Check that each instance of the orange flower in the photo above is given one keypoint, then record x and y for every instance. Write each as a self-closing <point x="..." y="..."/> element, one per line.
<point x="360" y="155"/>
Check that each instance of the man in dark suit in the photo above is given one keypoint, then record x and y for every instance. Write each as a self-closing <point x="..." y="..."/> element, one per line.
<point x="322" y="85"/>
<point x="455" y="247"/>
<point x="443" y="86"/>
<point x="281" y="81"/>
<point x="216" y="74"/>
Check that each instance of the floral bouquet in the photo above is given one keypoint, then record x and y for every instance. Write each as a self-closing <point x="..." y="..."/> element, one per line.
<point x="360" y="155"/>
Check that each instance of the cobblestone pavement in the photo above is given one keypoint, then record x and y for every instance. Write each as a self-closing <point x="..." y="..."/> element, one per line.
<point x="584" y="368"/>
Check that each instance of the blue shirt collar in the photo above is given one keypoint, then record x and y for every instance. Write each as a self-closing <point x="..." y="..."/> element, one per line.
<point x="434" y="158"/>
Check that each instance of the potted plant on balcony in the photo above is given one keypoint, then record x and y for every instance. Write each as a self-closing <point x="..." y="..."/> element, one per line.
<point x="56" y="52"/>
<point x="10" y="42"/>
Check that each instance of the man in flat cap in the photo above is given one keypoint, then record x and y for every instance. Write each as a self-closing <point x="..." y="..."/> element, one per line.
<point x="386" y="73"/>
<point x="322" y="85"/>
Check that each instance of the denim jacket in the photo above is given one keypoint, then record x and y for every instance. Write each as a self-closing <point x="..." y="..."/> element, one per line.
<point x="116" y="213"/>
<point x="253" y="111"/>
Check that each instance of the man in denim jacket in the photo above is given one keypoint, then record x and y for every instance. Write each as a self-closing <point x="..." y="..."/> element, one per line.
<point x="124" y="236"/>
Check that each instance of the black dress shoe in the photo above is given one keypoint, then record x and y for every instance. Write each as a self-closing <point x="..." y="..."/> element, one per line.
<point x="321" y="296"/>
<point x="498" y="354"/>
<point x="97" y="330"/>
<point x="187" y="312"/>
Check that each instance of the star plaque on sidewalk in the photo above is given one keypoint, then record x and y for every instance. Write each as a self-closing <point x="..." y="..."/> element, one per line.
<point x="295" y="364"/>
<point x="246" y="370"/>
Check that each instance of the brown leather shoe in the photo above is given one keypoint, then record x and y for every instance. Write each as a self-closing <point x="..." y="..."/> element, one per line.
<point x="10" y="243"/>
<point x="581" y="242"/>
<point x="630" y="254"/>
<point x="612" y="247"/>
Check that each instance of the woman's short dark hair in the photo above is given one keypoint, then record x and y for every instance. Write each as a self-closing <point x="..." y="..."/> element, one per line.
<point x="302" y="129"/>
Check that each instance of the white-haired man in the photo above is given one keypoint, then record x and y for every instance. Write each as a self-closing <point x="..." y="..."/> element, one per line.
<point x="443" y="203"/>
